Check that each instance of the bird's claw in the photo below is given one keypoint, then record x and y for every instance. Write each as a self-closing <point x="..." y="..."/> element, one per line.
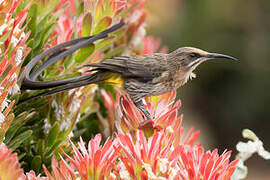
<point x="144" y="123"/>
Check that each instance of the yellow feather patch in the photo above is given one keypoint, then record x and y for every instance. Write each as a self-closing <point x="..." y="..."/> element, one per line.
<point x="114" y="79"/>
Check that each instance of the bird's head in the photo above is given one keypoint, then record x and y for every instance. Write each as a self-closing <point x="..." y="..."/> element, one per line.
<point x="189" y="58"/>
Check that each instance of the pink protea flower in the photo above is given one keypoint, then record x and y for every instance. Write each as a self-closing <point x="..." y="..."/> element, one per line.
<point x="162" y="109"/>
<point x="70" y="3"/>
<point x="96" y="162"/>
<point x="111" y="107"/>
<point x="64" y="29"/>
<point x="60" y="172"/>
<point x="196" y="164"/>
<point x="13" y="50"/>
<point x="9" y="165"/>
<point x="127" y="118"/>
<point x="150" y="158"/>
<point x="152" y="45"/>
<point x="159" y="158"/>
<point x="32" y="176"/>
<point x="102" y="8"/>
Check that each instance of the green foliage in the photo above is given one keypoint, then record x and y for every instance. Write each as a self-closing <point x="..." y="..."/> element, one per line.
<point x="83" y="53"/>
<point x="38" y="127"/>
<point x="41" y="24"/>
<point x="87" y="25"/>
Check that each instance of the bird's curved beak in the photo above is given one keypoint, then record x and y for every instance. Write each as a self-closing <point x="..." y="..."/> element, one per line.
<point x="216" y="55"/>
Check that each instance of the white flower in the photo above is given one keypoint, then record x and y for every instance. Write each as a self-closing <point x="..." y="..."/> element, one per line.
<point x="240" y="172"/>
<point x="246" y="150"/>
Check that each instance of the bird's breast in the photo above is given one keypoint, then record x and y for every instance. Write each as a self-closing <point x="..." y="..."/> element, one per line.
<point x="180" y="77"/>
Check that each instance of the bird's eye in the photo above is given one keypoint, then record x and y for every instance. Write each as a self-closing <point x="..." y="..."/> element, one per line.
<point x="193" y="55"/>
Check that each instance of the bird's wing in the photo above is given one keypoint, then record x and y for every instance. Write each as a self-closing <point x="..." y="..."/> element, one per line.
<point x="143" y="67"/>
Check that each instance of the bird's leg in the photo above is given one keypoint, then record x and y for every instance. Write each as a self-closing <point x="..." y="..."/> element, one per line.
<point x="139" y="104"/>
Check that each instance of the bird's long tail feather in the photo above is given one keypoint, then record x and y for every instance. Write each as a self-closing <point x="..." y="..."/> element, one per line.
<point x="93" y="78"/>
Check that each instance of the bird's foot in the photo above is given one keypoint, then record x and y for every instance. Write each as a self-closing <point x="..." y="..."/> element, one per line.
<point x="149" y="124"/>
<point x="149" y="119"/>
<point x="146" y="122"/>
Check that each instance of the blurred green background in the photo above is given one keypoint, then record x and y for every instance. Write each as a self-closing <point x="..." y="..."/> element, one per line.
<point x="226" y="96"/>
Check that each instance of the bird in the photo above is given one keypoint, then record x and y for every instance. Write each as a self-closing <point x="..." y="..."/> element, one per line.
<point x="154" y="74"/>
<point x="144" y="75"/>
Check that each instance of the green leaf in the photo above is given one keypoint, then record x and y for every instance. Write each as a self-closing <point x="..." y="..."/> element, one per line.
<point x="99" y="11"/>
<point x="42" y="23"/>
<point x="79" y="7"/>
<point x="105" y="43"/>
<point x="37" y="40"/>
<point x="17" y="124"/>
<point x="20" y="139"/>
<point x="2" y="135"/>
<point x="103" y="24"/>
<point x="115" y="52"/>
<point x="84" y="53"/>
<point x="41" y="147"/>
<point x="47" y="33"/>
<point x="5" y="126"/>
<point x="68" y="61"/>
<point x="53" y="133"/>
<point x="87" y="25"/>
<point x="52" y="149"/>
<point x="21" y="155"/>
<point x="36" y="163"/>
<point x="32" y="13"/>
<point x="120" y="32"/>
<point x="109" y="10"/>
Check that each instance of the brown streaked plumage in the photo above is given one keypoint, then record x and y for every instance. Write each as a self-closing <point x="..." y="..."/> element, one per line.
<point x="143" y="75"/>
<point x="155" y="74"/>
